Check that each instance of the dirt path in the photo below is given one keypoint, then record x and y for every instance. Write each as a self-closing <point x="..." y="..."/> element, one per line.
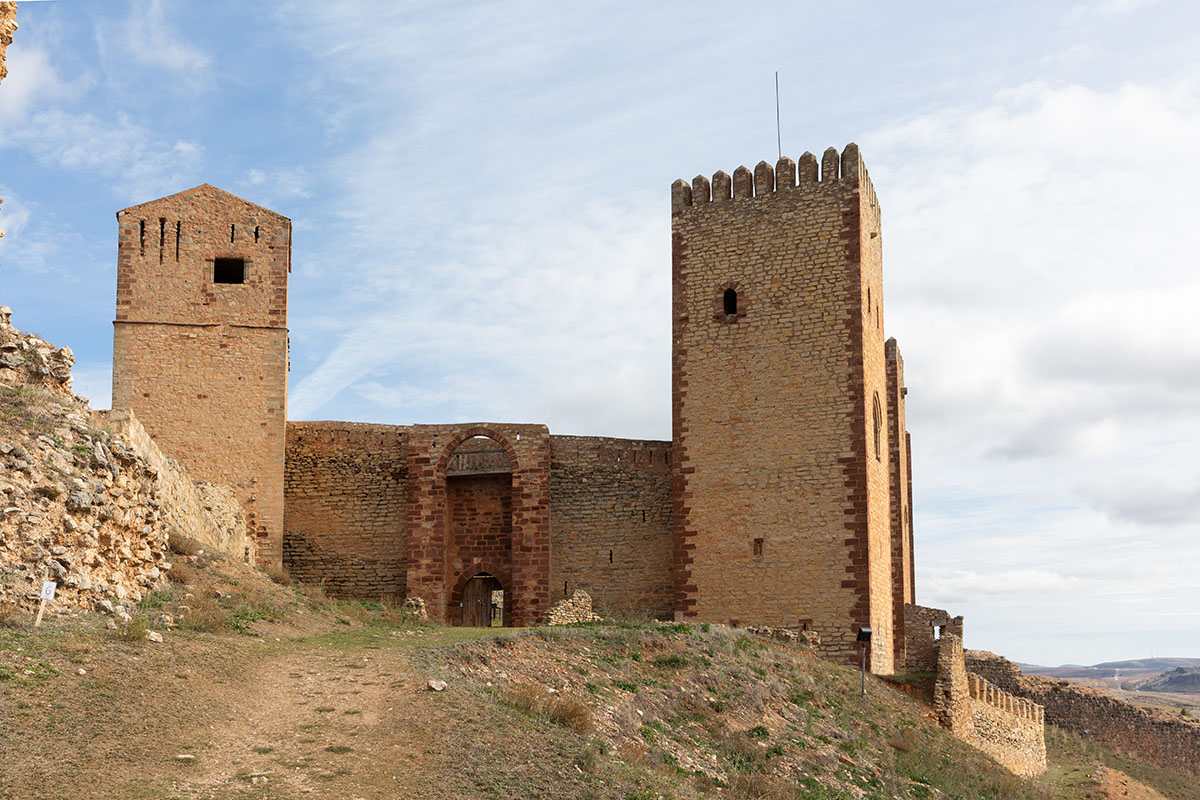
<point x="319" y="722"/>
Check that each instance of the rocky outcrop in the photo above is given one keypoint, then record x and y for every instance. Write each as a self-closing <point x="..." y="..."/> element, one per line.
<point x="85" y="502"/>
<point x="8" y="26"/>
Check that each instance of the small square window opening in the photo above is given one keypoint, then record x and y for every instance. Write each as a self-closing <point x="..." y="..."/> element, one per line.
<point x="229" y="270"/>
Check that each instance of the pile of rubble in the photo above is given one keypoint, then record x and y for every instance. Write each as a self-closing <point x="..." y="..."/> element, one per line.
<point x="575" y="609"/>
<point x="79" y="505"/>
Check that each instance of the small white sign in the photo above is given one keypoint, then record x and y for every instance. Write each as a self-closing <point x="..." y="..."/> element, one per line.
<point x="48" y="588"/>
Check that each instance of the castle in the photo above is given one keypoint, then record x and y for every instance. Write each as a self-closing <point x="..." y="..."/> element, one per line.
<point x="784" y="497"/>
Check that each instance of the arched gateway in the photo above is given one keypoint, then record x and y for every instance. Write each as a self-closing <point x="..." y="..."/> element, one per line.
<point x="479" y="522"/>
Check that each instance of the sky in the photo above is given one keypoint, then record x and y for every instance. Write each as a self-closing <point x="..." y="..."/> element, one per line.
<point x="480" y="194"/>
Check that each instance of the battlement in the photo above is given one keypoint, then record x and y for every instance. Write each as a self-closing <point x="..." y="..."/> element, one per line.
<point x="985" y="692"/>
<point x="834" y="169"/>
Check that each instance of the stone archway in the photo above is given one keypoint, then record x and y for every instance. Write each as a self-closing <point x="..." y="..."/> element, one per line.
<point x="437" y="562"/>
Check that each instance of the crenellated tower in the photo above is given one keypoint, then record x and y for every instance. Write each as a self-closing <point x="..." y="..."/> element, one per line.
<point x="779" y="396"/>
<point x="200" y="342"/>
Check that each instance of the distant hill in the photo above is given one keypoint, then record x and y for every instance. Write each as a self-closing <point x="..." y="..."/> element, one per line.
<point x="1180" y="679"/>
<point x="1111" y="669"/>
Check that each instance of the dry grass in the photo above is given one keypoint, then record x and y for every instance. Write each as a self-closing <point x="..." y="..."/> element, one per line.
<point x="279" y="575"/>
<point x="184" y="573"/>
<point x="565" y="710"/>
<point x="203" y="613"/>
<point x="132" y="631"/>
<point x="9" y="615"/>
<point x="760" y="786"/>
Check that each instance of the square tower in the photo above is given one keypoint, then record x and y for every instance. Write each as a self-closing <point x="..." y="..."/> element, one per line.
<point x="779" y="395"/>
<point x="200" y="342"/>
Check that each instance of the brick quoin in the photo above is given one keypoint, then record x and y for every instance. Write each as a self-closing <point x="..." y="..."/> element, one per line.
<point x="772" y="503"/>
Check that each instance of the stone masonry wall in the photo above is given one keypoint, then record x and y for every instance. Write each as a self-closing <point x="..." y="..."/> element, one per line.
<point x="1010" y="729"/>
<point x="921" y="638"/>
<point x="1007" y="728"/>
<point x="1164" y="739"/>
<point x="479" y="513"/>
<point x="780" y="491"/>
<point x="204" y="364"/>
<point x="901" y="510"/>
<point x="346" y="519"/>
<point x="210" y="515"/>
<point x="610" y="522"/>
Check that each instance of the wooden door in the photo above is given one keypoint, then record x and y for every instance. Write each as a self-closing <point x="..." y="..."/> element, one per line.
<point x="477" y="602"/>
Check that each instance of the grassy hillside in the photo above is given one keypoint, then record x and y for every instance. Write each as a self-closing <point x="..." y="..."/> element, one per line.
<point x="265" y="691"/>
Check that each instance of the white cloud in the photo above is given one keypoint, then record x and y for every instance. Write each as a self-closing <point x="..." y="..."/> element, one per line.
<point x="140" y="164"/>
<point x="146" y="37"/>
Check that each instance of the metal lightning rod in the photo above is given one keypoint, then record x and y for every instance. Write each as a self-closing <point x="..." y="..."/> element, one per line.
<point x="778" y="134"/>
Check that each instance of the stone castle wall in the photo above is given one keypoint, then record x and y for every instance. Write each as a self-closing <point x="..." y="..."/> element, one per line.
<point x="1164" y="739"/>
<point x="208" y="514"/>
<point x="1009" y="729"/>
<point x="781" y="504"/>
<point x="610" y="521"/>
<point x="922" y="627"/>
<point x="346" y="520"/>
<point x="204" y="364"/>
<point x="903" y="579"/>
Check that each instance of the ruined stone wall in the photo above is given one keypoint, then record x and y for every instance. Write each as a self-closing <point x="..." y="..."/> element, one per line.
<point x="780" y="497"/>
<point x="8" y="26"/>
<point x="1164" y="739"/>
<point x="920" y="635"/>
<point x="610" y="513"/>
<point x="901" y="511"/>
<point x="346" y="519"/>
<point x="204" y="364"/>
<point x="1009" y="729"/>
<point x="208" y="514"/>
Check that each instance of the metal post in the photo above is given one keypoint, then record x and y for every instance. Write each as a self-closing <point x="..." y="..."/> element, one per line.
<point x="863" y="672"/>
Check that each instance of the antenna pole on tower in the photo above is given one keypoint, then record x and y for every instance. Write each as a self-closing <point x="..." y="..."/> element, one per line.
<point x="778" y="134"/>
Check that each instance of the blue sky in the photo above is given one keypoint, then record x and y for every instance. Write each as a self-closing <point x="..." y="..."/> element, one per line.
<point x="480" y="195"/>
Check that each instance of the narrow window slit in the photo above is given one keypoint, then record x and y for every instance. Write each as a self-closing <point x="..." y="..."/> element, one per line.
<point x="256" y="234"/>
<point x="178" y="231"/>
<point x="731" y="302"/>
<point x="231" y="230"/>
<point x="610" y="556"/>
<point x="142" y="236"/>
<point x="162" y="237"/>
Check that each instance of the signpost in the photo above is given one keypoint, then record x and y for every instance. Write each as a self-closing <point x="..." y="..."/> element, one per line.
<point x="47" y="597"/>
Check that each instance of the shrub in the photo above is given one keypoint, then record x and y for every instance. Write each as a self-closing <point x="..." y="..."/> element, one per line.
<point x="671" y="661"/>
<point x="183" y="573"/>
<point x="571" y="712"/>
<point x="132" y="631"/>
<point x="203" y="613"/>
<point x="565" y="710"/>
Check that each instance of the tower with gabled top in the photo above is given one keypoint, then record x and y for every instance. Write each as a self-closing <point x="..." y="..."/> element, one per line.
<point x="200" y="342"/>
